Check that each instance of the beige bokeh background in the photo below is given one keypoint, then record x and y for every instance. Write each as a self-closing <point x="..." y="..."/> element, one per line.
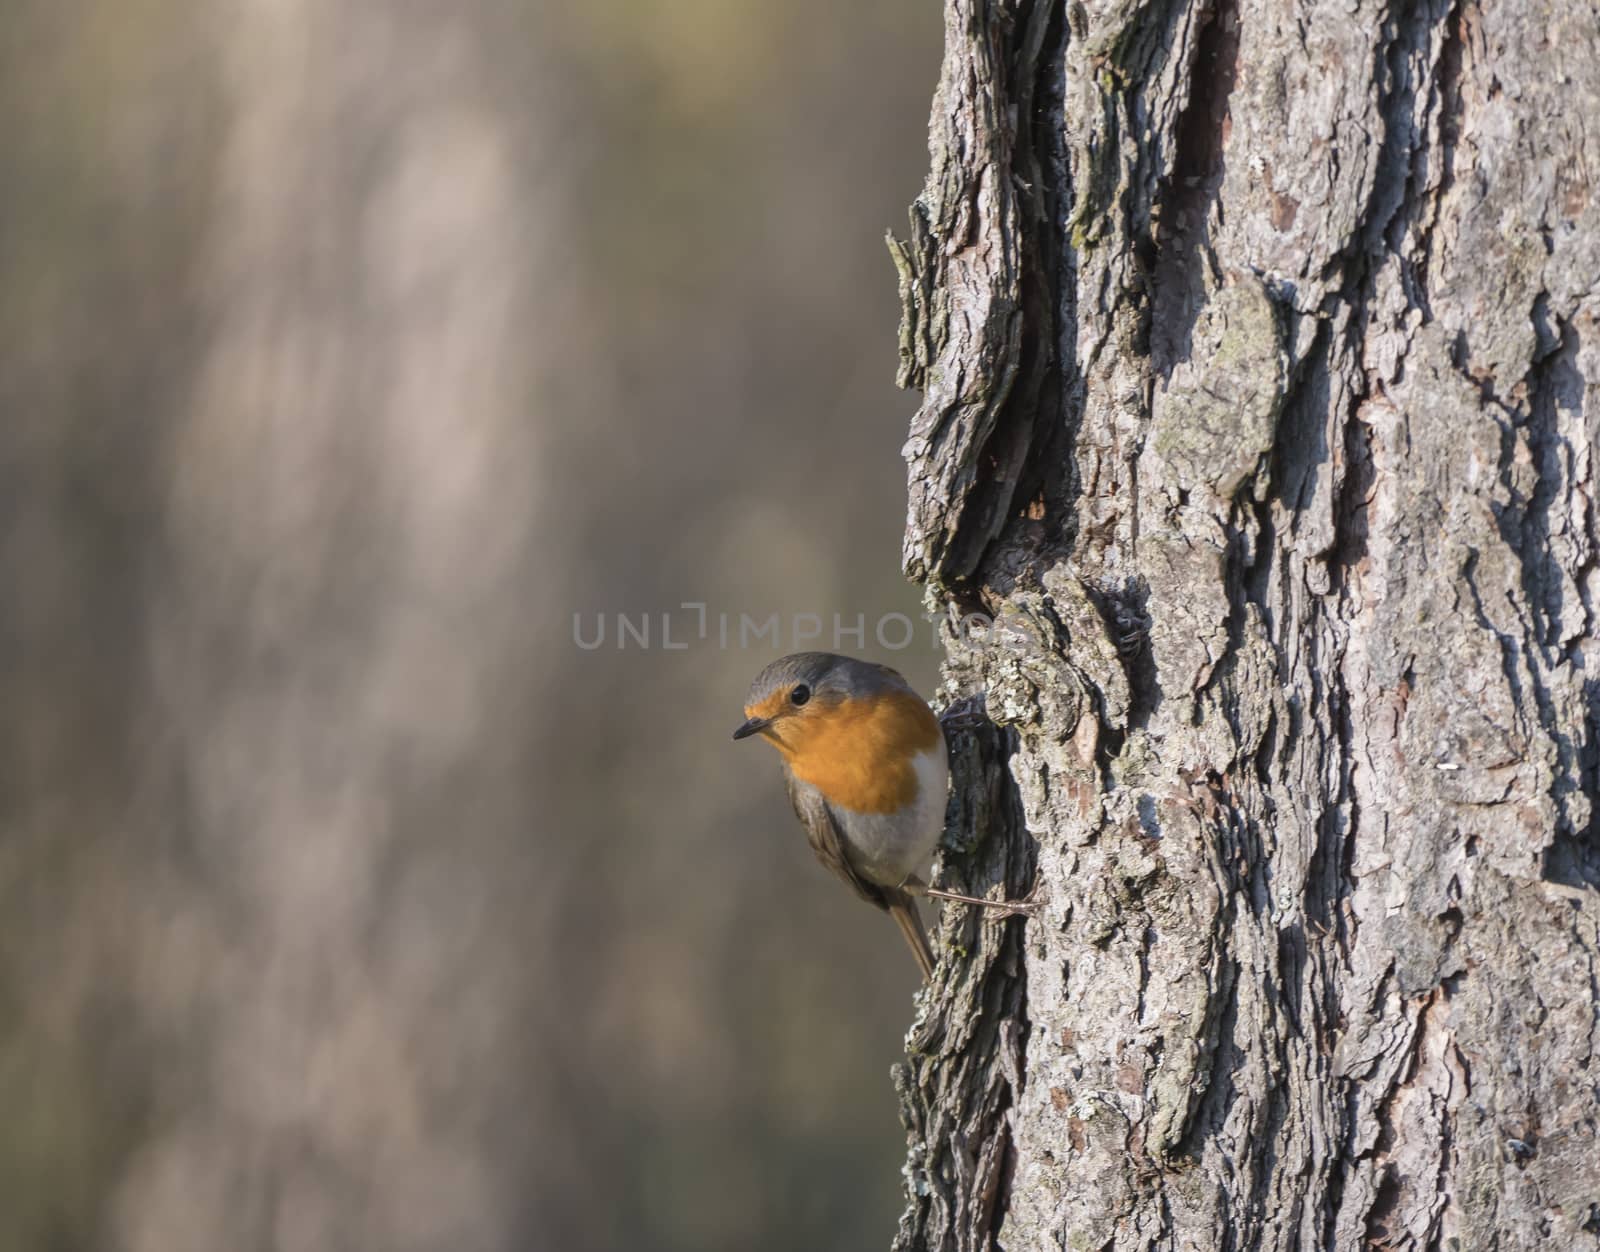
<point x="351" y="349"/>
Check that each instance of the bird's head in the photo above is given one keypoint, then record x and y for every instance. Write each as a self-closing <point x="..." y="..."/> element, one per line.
<point x="804" y="701"/>
<point x="796" y="695"/>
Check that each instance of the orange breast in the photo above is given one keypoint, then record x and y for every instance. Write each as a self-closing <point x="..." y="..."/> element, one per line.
<point x="860" y="753"/>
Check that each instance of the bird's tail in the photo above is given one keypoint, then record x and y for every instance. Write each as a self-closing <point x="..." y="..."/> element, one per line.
<point x="904" y="911"/>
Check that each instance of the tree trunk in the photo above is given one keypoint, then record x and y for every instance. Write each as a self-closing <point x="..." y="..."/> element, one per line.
<point x="1260" y="350"/>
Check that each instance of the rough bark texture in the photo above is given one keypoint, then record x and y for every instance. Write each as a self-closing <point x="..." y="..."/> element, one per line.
<point x="1260" y="348"/>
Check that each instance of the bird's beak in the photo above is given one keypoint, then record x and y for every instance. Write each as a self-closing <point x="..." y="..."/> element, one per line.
<point x="752" y="727"/>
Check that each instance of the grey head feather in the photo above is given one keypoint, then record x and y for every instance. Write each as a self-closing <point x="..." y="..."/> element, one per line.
<point x="827" y="673"/>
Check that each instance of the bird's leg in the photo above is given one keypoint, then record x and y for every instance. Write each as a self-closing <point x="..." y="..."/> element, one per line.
<point x="1019" y="908"/>
<point x="1008" y="908"/>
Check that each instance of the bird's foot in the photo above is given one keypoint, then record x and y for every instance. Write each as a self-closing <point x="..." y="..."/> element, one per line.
<point x="1028" y="906"/>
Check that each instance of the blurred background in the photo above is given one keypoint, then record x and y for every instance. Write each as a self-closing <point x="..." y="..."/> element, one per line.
<point x="350" y="350"/>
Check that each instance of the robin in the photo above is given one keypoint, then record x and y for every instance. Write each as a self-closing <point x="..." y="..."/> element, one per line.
<point x="866" y="765"/>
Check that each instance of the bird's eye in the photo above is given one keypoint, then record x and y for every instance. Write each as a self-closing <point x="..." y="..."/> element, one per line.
<point x="800" y="694"/>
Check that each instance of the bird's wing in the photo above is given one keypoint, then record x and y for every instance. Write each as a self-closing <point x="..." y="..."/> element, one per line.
<point x="823" y="833"/>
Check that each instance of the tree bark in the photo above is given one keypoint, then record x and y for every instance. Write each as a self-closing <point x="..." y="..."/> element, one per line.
<point x="1260" y="351"/>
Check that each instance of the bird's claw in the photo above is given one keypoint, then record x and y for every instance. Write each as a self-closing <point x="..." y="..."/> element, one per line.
<point x="1029" y="906"/>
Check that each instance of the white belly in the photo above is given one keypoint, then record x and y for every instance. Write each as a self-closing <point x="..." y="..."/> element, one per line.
<point x="887" y="848"/>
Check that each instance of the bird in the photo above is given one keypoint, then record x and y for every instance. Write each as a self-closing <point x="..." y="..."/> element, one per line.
<point x="867" y="769"/>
